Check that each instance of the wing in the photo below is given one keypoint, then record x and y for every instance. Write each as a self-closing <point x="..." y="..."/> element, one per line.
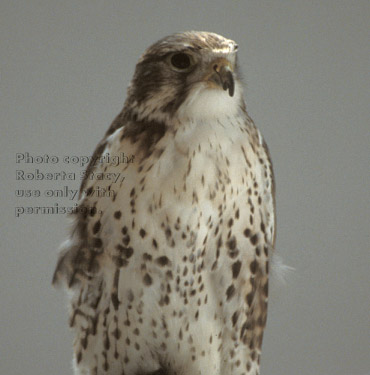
<point x="77" y="257"/>
<point x="94" y="225"/>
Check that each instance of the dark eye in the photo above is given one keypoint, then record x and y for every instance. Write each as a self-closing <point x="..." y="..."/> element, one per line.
<point x="181" y="61"/>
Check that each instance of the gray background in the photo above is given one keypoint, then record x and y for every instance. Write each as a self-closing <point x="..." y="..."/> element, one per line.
<point x="65" y="66"/>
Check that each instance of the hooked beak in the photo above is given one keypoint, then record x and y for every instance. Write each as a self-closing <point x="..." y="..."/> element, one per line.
<point x="222" y="75"/>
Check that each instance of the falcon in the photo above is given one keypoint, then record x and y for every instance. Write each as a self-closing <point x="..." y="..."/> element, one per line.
<point x="167" y="271"/>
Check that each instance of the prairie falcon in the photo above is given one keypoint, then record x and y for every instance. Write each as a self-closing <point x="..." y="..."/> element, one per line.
<point x="168" y="274"/>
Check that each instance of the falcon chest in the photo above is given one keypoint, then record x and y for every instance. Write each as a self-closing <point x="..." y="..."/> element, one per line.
<point x="204" y="185"/>
<point x="205" y="165"/>
<point x="193" y="188"/>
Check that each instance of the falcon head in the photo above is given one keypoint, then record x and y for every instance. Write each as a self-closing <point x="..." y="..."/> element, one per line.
<point x="186" y="75"/>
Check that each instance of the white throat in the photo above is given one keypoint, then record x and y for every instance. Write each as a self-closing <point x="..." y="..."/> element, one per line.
<point x="205" y="104"/>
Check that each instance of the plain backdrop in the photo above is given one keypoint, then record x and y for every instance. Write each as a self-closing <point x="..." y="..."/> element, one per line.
<point x="65" y="66"/>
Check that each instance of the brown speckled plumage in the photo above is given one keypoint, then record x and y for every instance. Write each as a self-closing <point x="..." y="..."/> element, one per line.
<point x="169" y="273"/>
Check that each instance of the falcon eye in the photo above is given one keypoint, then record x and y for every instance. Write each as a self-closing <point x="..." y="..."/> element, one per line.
<point x="181" y="61"/>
